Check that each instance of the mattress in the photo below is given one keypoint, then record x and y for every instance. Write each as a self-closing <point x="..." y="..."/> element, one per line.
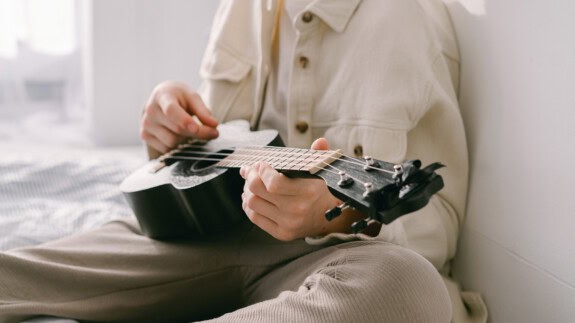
<point x="47" y="193"/>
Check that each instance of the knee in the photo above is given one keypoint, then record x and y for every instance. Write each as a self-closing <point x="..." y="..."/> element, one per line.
<point x="389" y="283"/>
<point x="412" y="283"/>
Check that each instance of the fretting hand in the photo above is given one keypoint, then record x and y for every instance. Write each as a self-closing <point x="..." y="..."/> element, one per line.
<point x="290" y="208"/>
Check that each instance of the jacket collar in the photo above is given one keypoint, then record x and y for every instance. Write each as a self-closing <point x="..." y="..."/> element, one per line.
<point x="336" y="14"/>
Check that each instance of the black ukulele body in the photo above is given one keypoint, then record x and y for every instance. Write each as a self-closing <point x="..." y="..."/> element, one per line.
<point x="191" y="198"/>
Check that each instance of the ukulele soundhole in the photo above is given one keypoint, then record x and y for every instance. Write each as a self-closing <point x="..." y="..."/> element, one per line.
<point x="207" y="163"/>
<point x="199" y="163"/>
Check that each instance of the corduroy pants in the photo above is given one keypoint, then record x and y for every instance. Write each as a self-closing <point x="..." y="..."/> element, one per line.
<point x="115" y="273"/>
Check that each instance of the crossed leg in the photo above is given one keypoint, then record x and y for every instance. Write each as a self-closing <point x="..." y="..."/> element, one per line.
<point x="352" y="282"/>
<point x="116" y="274"/>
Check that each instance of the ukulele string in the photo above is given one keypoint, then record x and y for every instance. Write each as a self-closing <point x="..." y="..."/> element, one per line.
<point x="284" y="156"/>
<point x="352" y="160"/>
<point x="250" y="157"/>
<point x="336" y="171"/>
<point x="360" y="163"/>
<point x="245" y="157"/>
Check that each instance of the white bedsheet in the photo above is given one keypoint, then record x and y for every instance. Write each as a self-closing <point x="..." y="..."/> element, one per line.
<point x="47" y="193"/>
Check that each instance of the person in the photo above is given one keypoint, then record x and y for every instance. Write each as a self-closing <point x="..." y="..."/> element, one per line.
<point x="370" y="77"/>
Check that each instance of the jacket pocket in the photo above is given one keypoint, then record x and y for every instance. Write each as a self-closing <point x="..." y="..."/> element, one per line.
<point x="227" y="82"/>
<point x="386" y="144"/>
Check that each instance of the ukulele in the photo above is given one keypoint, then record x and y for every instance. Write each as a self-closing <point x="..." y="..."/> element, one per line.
<point x="195" y="189"/>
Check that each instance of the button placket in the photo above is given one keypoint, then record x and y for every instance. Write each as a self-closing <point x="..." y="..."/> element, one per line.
<point x="307" y="17"/>
<point x="301" y="81"/>
<point x="358" y="150"/>
<point x="302" y="126"/>
<point x="303" y="61"/>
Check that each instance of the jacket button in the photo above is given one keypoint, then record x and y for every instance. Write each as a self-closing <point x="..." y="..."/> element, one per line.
<point x="358" y="151"/>
<point x="307" y="17"/>
<point x="301" y="126"/>
<point x="303" y="61"/>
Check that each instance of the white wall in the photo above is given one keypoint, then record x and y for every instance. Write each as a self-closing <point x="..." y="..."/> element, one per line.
<point x="518" y="101"/>
<point x="130" y="46"/>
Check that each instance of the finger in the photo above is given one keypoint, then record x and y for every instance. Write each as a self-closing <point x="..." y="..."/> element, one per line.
<point x="155" y="115"/>
<point x="244" y="171"/>
<point x="200" y="110"/>
<point x="202" y="131"/>
<point x="182" y="122"/>
<point x="206" y="129"/>
<point x="179" y="129"/>
<point x="157" y="144"/>
<point x="320" y="144"/>
<point x="193" y="130"/>
<point x="261" y="221"/>
<point x="167" y="137"/>
<point x="255" y="185"/>
<point x="261" y="206"/>
<point x="147" y="134"/>
<point x="277" y="183"/>
<point x="176" y="114"/>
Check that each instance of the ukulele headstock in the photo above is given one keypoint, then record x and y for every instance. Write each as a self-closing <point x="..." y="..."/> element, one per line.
<point x="381" y="190"/>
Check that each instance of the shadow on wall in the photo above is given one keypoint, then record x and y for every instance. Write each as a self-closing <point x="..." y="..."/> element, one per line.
<point x="517" y="99"/>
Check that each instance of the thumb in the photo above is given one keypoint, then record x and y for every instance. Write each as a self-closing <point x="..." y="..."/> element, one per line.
<point x="320" y="144"/>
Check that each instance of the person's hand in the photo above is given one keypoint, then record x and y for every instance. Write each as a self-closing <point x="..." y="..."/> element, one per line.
<point x="168" y="117"/>
<point x="290" y="208"/>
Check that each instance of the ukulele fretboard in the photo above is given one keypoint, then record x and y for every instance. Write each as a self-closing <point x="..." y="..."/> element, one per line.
<point x="281" y="158"/>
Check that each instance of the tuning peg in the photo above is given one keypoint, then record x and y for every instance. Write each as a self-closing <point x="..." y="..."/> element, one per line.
<point x="336" y="211"/>
<point x="368" y="190"/>
<point x="359" y="226"/>
<point x="344" y="180"/>
<point x="370" y="163"/>
<point x="398" y="172"/>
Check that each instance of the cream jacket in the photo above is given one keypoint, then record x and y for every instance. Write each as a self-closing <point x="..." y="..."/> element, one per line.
<point x="380" y="78"/>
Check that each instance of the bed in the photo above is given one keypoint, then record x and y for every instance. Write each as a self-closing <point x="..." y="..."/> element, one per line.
<point x="48" y="192"/>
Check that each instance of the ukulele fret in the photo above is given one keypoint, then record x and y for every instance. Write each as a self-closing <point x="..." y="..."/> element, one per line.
<point x="279" y="158"/>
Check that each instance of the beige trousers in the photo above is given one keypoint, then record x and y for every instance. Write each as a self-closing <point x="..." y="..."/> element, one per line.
<point x="115" y="273"/>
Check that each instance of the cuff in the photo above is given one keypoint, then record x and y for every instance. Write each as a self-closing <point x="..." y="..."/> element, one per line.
<point x="393" y="233"/>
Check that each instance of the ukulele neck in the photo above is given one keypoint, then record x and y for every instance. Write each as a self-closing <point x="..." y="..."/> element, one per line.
<point x="284" y="159"/>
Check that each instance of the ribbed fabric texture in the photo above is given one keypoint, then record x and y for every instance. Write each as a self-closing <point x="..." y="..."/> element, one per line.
<point x="116" y="274"/>
<point x="354" y="282"/>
